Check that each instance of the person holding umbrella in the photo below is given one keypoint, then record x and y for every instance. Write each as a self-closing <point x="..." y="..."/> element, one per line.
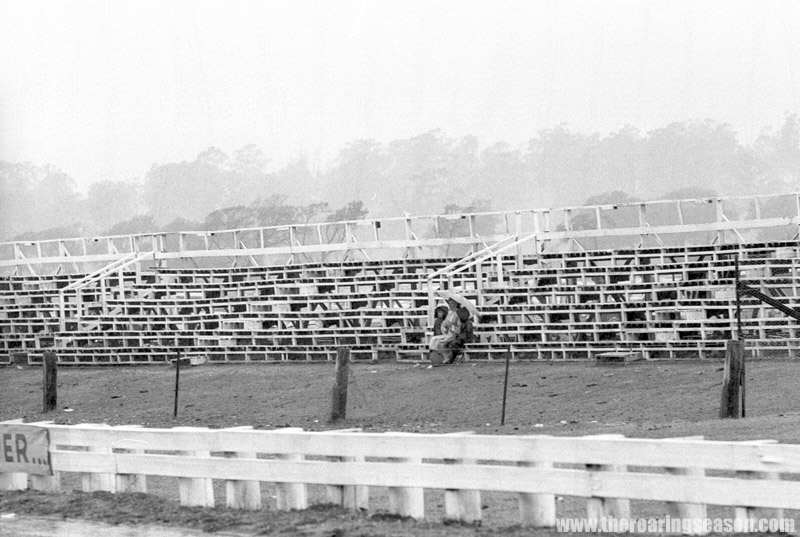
<point x="450" y="328"/>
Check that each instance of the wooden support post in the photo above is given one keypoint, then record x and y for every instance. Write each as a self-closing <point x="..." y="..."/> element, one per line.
<point x="50" y="383"/>
<point x="242" y="494"/>
<point x="339" y="399"/>
<point x="730" y="406"/>
<point x="599" y="507"/>
<point x="745" y="514"/>
<point x="96" y="482"/>
<point x="46" y="483"/>
<point x="195" y="491"/>
<point x="678" y="510"/>
<point x="132" y="482"/>
<point x="407" y="501"/>
<point x="355" y="497"/>
<point x="352" y="497"/>
<point x="291" y="495"/>
<point x="462" y="505"/>
<point x="537" y="510"/>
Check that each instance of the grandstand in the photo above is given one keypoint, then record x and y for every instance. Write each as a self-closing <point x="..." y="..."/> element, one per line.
<point x="656" y="278"/>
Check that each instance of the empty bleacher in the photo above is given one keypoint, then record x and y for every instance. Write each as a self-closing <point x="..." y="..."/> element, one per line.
<point x="539" y="303"/>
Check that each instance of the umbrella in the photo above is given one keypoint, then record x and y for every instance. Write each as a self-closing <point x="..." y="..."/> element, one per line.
<point x="472" y="308"/>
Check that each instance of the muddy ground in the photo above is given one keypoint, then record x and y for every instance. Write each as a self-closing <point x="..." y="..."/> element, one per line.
<point x="652" y="399"/>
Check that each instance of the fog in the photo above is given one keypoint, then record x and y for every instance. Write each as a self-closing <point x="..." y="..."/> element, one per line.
<point x="105" y="91"/>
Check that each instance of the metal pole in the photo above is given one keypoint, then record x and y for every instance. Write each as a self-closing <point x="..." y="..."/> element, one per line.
<point x="505" y="389"/>
<point x="177" y="382"/>
<point x="742" y="380"/>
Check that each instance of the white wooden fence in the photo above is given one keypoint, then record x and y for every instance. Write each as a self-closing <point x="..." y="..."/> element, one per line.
<point x="607" y="470"/>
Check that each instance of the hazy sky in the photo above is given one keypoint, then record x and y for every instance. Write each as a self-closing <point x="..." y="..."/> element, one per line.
<point x="106" y="89"/>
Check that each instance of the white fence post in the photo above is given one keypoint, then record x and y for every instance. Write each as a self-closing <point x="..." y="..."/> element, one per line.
<point x="131" y="482"/>
<point x="195" y="491"/>
<point x="537" y="510"/>
<point x="462" y="505"/>
<point x="600" y="507"/>
<point x="242" y="494"/>
<point x="407" y="501"/>
<point x="352" y="497"/>
<point x="291" y="495"/>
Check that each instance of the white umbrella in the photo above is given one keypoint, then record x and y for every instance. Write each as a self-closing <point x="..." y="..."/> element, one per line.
<point x="472" y="308"/>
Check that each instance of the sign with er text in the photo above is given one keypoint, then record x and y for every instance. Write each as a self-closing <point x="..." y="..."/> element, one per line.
<point x="24" y="449"/>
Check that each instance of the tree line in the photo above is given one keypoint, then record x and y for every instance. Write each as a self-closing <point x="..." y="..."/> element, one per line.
<point x="431" y="173"/>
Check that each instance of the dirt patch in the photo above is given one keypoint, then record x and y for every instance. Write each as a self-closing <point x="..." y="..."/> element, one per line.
<point x="652" y="399"/>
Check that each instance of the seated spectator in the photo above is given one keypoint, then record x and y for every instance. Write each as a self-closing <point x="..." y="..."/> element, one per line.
<point x="464" y="336"/>
<point x="450" y="327"/>
<point x="439" y="315"/>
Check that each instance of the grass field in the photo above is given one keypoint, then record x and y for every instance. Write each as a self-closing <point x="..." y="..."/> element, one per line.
<point x="643" y="399"/>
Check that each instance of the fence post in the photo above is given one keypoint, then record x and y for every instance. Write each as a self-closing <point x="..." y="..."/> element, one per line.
<point x="462" y="505"/>
<point x="678" y="510"/>
<point x="291" y="495"/>
<point x="195" y="491"/>
<point x="730" y="406"/>
<point x="599" y="507"/>
<point x="339" y="400"/>
<point x="745" y="514"/>
<point x="407" y="501"/>
<point x="131" y="482"/>
<point x="537" y="510"/>
<point x="242" y="494"/>
<point x="352" y="497"/>
<point x="50" y="383"/>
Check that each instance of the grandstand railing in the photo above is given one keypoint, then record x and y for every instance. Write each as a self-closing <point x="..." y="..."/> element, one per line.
<point x="98" y="276"/>
<point x="704" y="221"/>
<point x="494" y="253"/>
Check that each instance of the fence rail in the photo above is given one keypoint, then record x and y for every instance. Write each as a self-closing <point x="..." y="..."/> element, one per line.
<point x="744" y="475"/>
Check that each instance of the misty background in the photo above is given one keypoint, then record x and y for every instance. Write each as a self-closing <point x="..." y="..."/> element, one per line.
<point x="132" y="117"/>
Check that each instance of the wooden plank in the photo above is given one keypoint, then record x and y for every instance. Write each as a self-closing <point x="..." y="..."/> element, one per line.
<point x="566" y="482"/>
<point x="634" y="451"/>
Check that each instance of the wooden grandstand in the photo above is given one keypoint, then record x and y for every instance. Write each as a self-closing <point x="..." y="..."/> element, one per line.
<point x="656" y="278"/>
